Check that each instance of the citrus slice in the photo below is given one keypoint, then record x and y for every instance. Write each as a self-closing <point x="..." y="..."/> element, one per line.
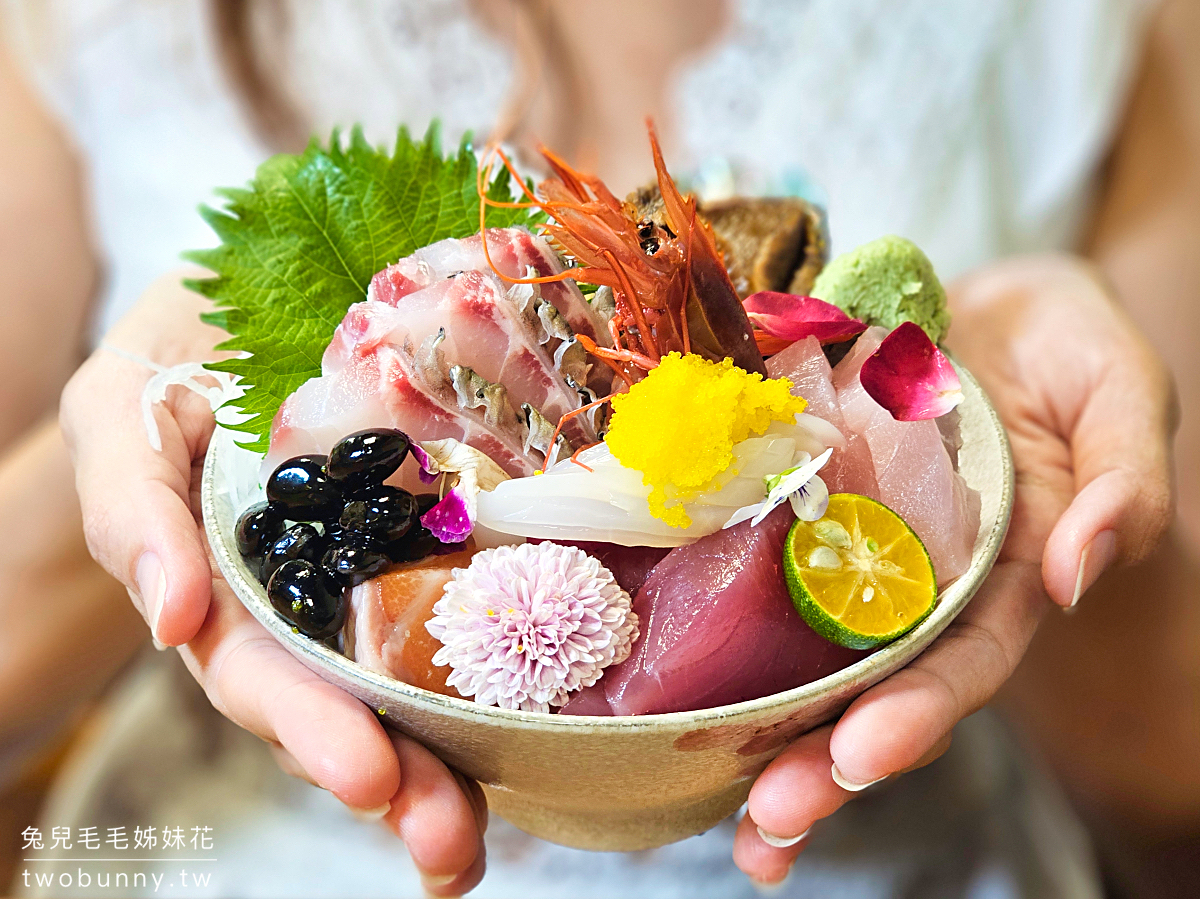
<point x="859" y="577"/>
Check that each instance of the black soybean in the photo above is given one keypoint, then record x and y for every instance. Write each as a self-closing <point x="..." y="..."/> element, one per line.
<point x="365" y="458"/>
<point x="257" y="528"/>
<point x="300" y="541"/>
<point x="304" y="490"/>
<point x="386" y="514"/>
<point x="355" y="561"/>
<point x="301" y="593"/>
<point x="418" y="544"/>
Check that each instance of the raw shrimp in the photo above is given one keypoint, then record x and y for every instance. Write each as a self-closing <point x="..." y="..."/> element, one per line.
<point x="670" y="287"/>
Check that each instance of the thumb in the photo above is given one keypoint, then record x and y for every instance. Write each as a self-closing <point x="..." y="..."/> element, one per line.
<point x="136" y="502"/>
<point x="1121" y="454"/>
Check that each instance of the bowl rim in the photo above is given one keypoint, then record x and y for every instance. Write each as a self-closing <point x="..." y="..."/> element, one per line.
<point x="951" y="601"/>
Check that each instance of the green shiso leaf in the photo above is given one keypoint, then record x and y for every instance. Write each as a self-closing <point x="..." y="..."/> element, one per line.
<point x="300" y="244"/>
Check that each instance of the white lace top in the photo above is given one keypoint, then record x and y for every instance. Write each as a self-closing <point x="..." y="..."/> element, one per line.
<point x="972" y="128"/>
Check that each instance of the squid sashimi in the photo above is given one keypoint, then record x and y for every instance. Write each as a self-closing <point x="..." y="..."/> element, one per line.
<point x="596" y="498"/>
<point x="718" y="626"/>
<point x="513" y="252"/>
<point x="913" y="468"/>
<point x="850" y="469"/>
<point x="390" y="386"/>
<point x="385" y="622"/>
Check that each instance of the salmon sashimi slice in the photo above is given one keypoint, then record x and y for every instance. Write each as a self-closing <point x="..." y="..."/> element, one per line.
<point x="385" y="623"/>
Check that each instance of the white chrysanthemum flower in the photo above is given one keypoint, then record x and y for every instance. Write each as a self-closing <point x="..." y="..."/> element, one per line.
<point x="524" y="626"/>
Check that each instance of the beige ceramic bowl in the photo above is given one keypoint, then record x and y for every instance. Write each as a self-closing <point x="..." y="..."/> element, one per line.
<point x="628" y="782"/>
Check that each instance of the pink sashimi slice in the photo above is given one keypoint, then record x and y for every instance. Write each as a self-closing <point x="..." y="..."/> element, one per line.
<point x="382" y="385"/>
<point x="915" y="473"/>
<point x="588" y="701"/>
<point x="850" y="469"/>
<point x="718" y="626"/>
<point x="513" y="251"/>
<point x="485" y="331"/>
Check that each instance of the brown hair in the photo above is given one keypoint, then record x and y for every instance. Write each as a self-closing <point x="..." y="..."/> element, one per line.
<point x="251" y="39"/>
<point x="241" y="30"/>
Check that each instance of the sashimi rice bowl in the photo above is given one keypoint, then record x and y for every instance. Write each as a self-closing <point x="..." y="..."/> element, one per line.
<point x="605" y="501"/>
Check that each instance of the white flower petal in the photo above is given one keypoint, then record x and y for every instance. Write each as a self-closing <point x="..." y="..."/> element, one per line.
<point x="780" y="488"/>
<point x="810" y="501"/>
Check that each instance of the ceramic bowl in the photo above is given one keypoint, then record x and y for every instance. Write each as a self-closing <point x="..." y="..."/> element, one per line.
<point x="620" y="783"/>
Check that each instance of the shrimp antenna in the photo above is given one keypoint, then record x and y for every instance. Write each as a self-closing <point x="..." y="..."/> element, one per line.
<point x="483" y="177"/>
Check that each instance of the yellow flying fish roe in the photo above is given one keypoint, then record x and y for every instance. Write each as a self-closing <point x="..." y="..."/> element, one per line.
<point x="679" y="424"/>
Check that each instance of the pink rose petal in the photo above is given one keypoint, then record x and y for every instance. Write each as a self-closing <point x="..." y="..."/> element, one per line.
<point x="910" y="377"/>
<point x="792" y="317"/>
<point x="429" y="468"/>
<point x="450" y="520"/>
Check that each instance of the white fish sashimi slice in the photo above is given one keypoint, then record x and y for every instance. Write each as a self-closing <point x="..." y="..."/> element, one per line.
<point x="913" y="469"/>
<point x="483" y="330"/>
<point x="386" y="387"/>
<point x="324" y="410"/>
<point x="850" y="470"/>
<point x="513" y="251"/>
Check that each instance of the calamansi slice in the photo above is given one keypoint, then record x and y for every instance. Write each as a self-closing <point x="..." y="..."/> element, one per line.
<point x="859" y="576"/>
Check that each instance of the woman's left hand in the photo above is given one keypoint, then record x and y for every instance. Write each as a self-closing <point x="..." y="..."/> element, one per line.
<point x="1091" y="414"/>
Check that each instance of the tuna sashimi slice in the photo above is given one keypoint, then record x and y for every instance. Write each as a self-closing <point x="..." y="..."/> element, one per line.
<point x="850" y="469"/>
<point x="588" y="701"/>
<point x="718" y="626"/>
<point x="630" y="565"/>
<point x="913" y="468"/>
<point x="385" y="622"/>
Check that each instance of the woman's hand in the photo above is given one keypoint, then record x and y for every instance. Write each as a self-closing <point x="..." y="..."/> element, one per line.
<point x="1091" y="414"/>
<point x="141" y="519"/>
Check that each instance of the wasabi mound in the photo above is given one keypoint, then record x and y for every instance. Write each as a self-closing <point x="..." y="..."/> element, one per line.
<point x="886" y="282"/>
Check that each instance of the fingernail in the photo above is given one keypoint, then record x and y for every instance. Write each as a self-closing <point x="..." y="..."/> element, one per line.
<point x="781" y="842"/>
<point x="770" y="889"/>
<point x="436" y="881"/>
<point x="152" y="585"/>
<point x="370" y="815"/>
<point x="1096" y="557"/>
<point x="841" y="781"/>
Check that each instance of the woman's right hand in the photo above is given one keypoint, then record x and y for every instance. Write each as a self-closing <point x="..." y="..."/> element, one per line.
<point x="142" y="522"/>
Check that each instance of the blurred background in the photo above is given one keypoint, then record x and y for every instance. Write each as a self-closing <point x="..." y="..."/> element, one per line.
<point x="978" y="130"/>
